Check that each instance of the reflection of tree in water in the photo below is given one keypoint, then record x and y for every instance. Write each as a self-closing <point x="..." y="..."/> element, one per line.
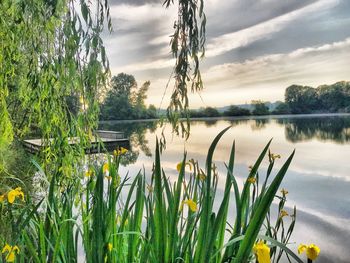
<point x="336" y="129"/>
<point x="210" y="123"/>
<point x="136" y="132"/>
<point x="259" y="124"/>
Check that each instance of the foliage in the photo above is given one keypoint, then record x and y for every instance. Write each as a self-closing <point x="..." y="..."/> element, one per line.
<point x="125" y="101"/>
<point x="301" y="99"/>
<point x="187" y="45"/>
<point x="281" y="108"/>
<point x="325" y="98"/>
<point x="236" y="111"/>
<point x="51" y="54"/>
<point x="161" y="221"/>
<point x="260" y="108"/>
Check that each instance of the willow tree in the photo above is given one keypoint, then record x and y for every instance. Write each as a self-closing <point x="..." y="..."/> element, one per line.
<point x="51" y="51"/>
<point x="187" y="47"/>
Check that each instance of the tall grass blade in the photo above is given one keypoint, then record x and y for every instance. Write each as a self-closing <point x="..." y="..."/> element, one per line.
<point x="260" y="213"/>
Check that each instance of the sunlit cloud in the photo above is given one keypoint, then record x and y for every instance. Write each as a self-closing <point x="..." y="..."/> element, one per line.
<point x="247" y="57"/>
<point x="244" y="37"/>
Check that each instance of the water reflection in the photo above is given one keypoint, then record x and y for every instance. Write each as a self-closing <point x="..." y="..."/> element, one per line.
<point x="136" y="132"/>
<point x="336" y="129"/>
<point x="259" y="124"/>
<point x="318" y="179"/>
<point x="299" y="129"/>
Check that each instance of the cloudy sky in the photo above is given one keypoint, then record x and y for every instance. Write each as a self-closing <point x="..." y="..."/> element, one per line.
<point x="255" y="48"/>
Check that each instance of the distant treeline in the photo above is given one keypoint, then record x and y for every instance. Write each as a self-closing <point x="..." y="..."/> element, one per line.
<point x="259" y="108"/>
<point x="298" y="100"/>
<point x="125" y="100"/>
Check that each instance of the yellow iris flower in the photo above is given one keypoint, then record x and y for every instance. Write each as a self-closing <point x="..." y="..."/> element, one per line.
<point x="11" y="252"/>
<point x="283" y="213"/>
<point x="284" y="192"/>
<point x="191" y="204"/>
<point x="11" y="196"/>
<point x="312" y="251"/>
<point x="120" y="151"/>
<point x="109" y="247"/>
<point x="105" y="168"/>
<point x="202" y="176"/>
<point x="251" y="180"/>
<point x="89" y="173"/>
<point x="262" y="252"/>
<point x="179" y="166"/>
<point x="275" y="156"/>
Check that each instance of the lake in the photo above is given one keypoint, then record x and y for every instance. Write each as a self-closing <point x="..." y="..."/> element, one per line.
<point x="318" y="180"/>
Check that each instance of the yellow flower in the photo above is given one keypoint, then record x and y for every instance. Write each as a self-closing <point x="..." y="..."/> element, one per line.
<point x="105" y="168"/>
<point x="312" y="251"/>
<point x="273" y="157"/>
<point x="109" y="247"/>
<point x="89" y="173"/>
<point x="284" y="192"/>
<point x="202" y="176"/>
<point x="191" y="204"/>
<point x="120" y="151"/>
<point x="123" y="150"/>
<point x="108" y="177"/>
<point x="251" y="180"/>
<point x="179" y="166"/>
<point x="11" y="196"/>
<point x="262" y="252"/>
<point x="283" y="213"/>
<point x="11" y="252"/>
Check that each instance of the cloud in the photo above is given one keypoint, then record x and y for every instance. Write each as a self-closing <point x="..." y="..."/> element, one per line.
<point x="255" y="48"/>
<point x="246" y="36"/>
<point x="266" y="77"/>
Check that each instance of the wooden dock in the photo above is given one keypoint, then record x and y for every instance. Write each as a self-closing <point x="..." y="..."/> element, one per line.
<point x="110" y="139"/>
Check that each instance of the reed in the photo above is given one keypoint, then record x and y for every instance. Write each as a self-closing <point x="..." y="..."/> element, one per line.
<point x="100" y="217"/>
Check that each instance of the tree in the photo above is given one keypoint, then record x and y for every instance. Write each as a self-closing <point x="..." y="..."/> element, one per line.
<point x="210" y="112"/>
<point x="138" y="101"/>
<point x="125" y="101"/>
<point x="260" y="108"/>
<point x="334" y="98"/>
<point x="152" y="112"/>
<point x="117" y="104"/>
<point x="236" y="111"/>
<point x="282" y="108"/>
<point x="301" y="99"/>
<point x="123" y="85"/>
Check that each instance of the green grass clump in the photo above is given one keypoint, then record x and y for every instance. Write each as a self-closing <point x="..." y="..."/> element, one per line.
<point x="100" y="217"/>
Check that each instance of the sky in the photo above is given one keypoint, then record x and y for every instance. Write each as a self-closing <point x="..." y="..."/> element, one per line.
<point x="255" y="49"/>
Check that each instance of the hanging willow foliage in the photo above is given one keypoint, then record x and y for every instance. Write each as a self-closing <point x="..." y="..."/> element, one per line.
<point x="50" y="54"/>
<point x="187" y="47"/>
<point x="52" y="58"/>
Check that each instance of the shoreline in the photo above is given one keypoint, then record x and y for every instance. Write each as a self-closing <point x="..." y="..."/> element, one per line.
<point x="250" y="117"/>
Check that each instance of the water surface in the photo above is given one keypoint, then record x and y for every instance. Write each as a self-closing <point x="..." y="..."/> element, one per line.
<point x="318" y="180"/>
